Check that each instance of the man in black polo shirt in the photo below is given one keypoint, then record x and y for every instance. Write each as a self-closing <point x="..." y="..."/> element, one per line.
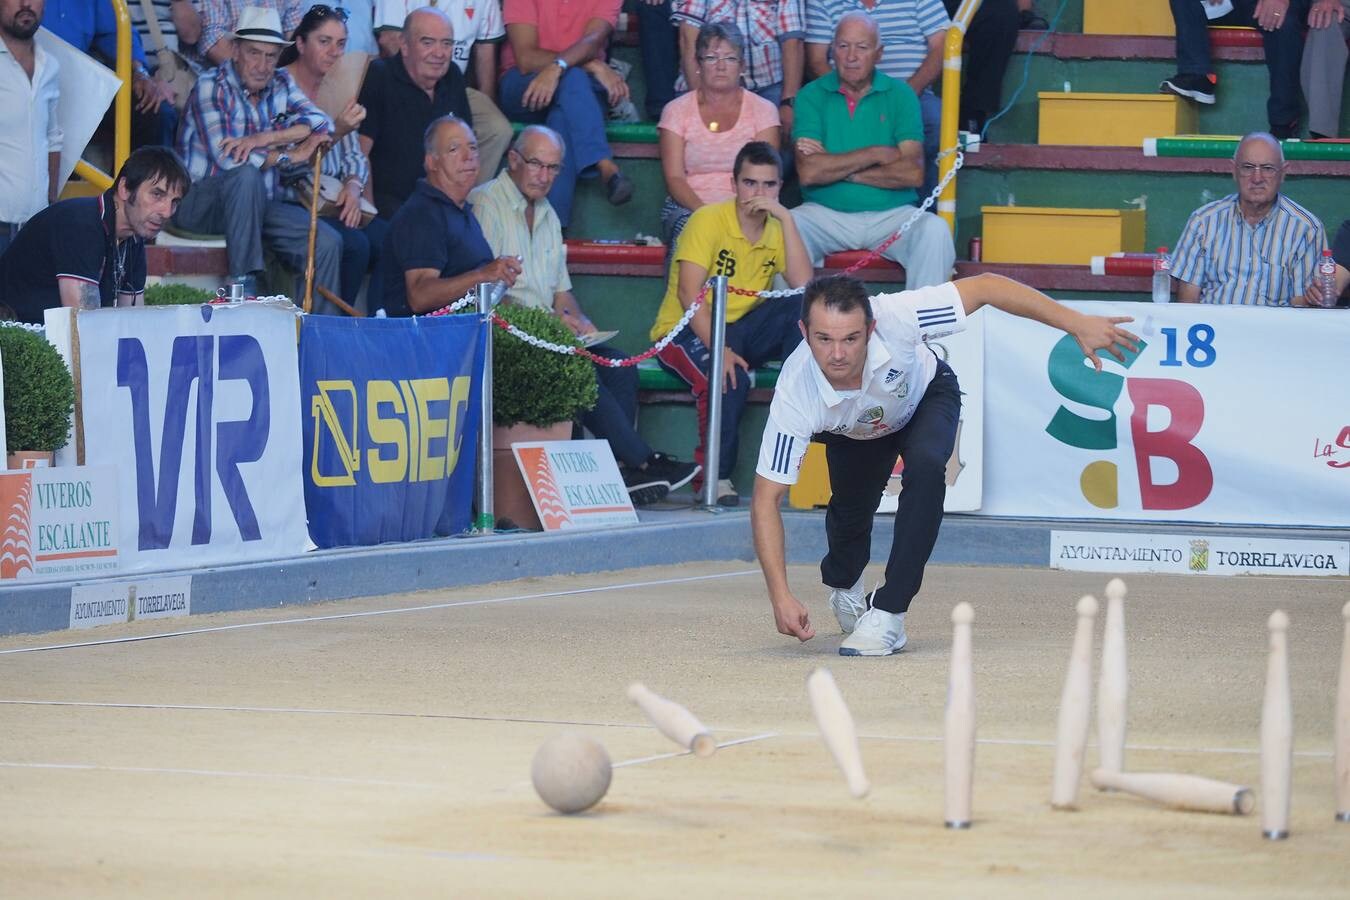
<point x="89" y="252"/>
<point x="436" y="249"/>
<point x="402" y="95"/>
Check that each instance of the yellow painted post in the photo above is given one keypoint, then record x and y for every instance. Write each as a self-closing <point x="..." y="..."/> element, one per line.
<point x="951" y="106"/>
<point x="122" y="105"/>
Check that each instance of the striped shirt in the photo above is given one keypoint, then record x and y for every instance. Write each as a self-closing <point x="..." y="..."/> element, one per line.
<point x="765" y="25"/>
<point x="220" y="16"/>
<point x="136" y="10"/>
<point x="1266" y="264"/>
<point x="499" y="207"/>
<point x="219" y="108"/>
<point x="905" y="26"/>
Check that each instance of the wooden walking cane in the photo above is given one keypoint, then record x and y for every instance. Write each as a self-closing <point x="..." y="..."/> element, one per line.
<point x="313" y="230"/>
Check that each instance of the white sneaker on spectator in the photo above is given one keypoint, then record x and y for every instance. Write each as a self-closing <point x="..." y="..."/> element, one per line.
<point x="877" y="633"/>
<point x="848" y="604"/>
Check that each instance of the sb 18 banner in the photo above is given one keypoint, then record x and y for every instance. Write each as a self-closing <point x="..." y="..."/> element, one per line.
<point x="199" y="409"/>
<point x="391" y="409"/>
<point x="1226" y="414"/>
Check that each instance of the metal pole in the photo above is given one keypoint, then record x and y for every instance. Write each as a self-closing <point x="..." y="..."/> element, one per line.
<point x="486" y="521"/>
<point x="718" y="296"/>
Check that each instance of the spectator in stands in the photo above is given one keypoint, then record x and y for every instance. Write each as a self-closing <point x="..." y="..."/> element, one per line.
<point x="360" y="25"/>
<point x="1340" y="251"/>
<point x="859" y="158"/>
<point x="320" y="41"/>
<point x="476" y="26"/>
<point x="554" y="72"/>
<point x="91" y="26"/>
<point x="749" y="239"/>
<point x="436" y="252"/>
<point x="516" y="217"/>
<point x="1256" y="247"/>
<point x="772" y="58"/>
<point x="913" y="33"/>
<point x="88" y="252"/>
<point x="179" y="23"/>
<point x="219" y="17"/>
<point x="404" y="94"/>
<point x="1324" y="58"/>
<point x="1281" y="25"/>
<point x="659" y="44"/>
<point x="30" y="155"/>
<point x="986" y="49"/>
<point x="703" y="130"/>
<point x="244" y="123"/>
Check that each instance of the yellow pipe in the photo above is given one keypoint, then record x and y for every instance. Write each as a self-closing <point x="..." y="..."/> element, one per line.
<point x="122" y="105"/>
<point x="951" y="105"/>
<point x="94" y="175"/>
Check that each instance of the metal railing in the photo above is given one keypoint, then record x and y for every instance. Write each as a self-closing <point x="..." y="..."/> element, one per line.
<point x="951" y="106"/>
<point x="121" y="106"/>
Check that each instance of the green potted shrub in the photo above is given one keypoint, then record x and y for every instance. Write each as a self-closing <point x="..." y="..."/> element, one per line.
<point x="535" y="396"/>
<point x="175" y="294"/>
<point x="39" y="396"/>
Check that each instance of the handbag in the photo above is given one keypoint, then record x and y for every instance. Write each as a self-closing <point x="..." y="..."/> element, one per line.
<point x="330" y="188"/>
<point x="171" y="67"/>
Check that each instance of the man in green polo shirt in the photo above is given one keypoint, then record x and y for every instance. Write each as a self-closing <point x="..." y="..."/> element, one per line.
<point x="859" y="151"/>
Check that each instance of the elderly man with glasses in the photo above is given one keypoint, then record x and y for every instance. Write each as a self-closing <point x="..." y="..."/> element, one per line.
<point x="1255" y="247"/>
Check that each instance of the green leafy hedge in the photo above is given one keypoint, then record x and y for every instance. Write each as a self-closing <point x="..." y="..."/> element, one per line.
<point x="176" y="295"/>
<point x="39" y="392"/>
<point x="534" y="386"/>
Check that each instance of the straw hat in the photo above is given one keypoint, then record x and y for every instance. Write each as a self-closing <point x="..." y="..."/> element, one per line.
<point x="261" y="24"/>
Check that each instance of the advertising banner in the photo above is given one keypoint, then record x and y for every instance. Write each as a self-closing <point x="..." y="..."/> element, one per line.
<point x="1190" y="554"/>
<point x="1226" y="414"/>
<point x="59" y="523"/>
<point x="198" y="407"/>
<point x="391" y="410"/>
<point x="574" y="484"/>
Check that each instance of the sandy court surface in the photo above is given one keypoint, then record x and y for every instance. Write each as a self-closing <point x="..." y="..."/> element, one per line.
<point x="354" y="753"/>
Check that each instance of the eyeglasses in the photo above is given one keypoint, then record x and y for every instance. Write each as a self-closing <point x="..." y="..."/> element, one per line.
<point x="538" y="165"/>
<point x="711" y="60"/>
<point x="1247" y="170"/>
<point x="324" y="11"/>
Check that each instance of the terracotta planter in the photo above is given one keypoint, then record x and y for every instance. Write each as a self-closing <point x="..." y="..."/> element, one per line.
<point x="31" y="459"/>
<point x="510" y="497"/>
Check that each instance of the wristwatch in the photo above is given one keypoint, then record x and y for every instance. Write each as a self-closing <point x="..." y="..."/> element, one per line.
<point x="787" y="101"/>
<point x="283" y="159"/>
<point x="560" y="63"/>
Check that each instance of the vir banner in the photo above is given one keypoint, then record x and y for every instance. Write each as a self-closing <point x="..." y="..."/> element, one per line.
<point x="1227" y="414"/>
<point x="199" y="409"/>
<point x="391" y="409"/>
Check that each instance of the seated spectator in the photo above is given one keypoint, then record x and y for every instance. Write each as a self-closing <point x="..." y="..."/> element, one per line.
<point x="1281" y="28"/>
<point x="476" y="26"/>
<point x="436" y="252"/>
<point x="516" y="217"/>
<point x="658" y="44"/>
<point x="88" y="252"/>
<point x="1324" y="58"/>
<point x="244" y="122"/>
<point x="179" y="24"/>
<point x="218" y="17"/>
<point x="749" y="239"/>
<point x="554" y="72"/>
<point x="703" y="130"/>
<point x="1256" y="247"/>
<point x="403" y="95"/>
<point x="913" y="33"/>
<point x="320" y="41"/>
<point x="986" y="49"/>
<point x="30" y="156"/>
<point x="1340" y="251"/>
<point x="859" y="158"/>
<point x="772" y="55"/>
<point x="360" y="25"/>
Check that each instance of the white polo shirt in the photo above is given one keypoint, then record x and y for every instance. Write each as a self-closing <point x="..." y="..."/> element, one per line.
<point x="899" y="369"/>
<point x="29" y="131"/>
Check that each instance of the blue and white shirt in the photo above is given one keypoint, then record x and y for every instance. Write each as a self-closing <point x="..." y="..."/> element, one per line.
<point x="899" y="369"/>
<point x="905" y="27"/>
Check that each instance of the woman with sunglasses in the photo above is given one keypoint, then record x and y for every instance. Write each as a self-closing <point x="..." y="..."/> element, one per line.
<point x="703" y="130"/>
<point x="320" y="42"/>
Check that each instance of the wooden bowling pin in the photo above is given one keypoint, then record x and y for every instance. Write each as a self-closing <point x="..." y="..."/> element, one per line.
<point x="1179" y="791"/>
<point x="959" y="722"/>
<point x="837" y="728"/>
<point x="673" y="720"/>
<point x="1074" y="707"/>
<point x="1277" y="733"/>
<point x="1343" y="726"/>
<point x="1113" y="686"/>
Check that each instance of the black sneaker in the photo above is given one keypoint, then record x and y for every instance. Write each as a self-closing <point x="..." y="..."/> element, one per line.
<point x="671" y="470"/>
<point x="1199" y="88"/>
<point x="644" y="488"/>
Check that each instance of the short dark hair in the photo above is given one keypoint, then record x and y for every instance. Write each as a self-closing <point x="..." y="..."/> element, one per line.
<point x="842" y="293"/>
<point x="151" y="164"/>
<point x="757" y="153"/>
<point x="317" y="15"/>
<point x="722" y="30"/>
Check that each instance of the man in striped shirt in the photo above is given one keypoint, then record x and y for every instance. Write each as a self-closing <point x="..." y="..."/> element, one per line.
<point x="1255" y="247"/>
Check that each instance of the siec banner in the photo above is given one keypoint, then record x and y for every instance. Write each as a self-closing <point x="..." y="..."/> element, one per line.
<point x="391" y="410"/>
<point x="198" y="407"/>
<point x="1226" y="414"/>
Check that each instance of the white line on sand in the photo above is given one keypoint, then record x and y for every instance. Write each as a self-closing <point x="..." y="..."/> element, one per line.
<point x="217" y="773"/>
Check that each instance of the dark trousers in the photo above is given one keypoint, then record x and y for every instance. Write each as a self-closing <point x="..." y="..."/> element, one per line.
<point x="768" y="332"/>
<point x="614" y="417"/>
<point x="988" y="46"/>
<point x="1283" y="46"/>
<point x="361" y="254"/>
<point x="658" y="40"/>
<point x="858" y="474"/>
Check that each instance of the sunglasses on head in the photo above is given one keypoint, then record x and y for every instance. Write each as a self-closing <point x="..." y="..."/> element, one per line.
<point x="325" y="11"/>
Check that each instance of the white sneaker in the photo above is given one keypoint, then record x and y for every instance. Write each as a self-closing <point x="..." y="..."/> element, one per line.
<point x="877" y="633"/>
<point x="848" y="604"/>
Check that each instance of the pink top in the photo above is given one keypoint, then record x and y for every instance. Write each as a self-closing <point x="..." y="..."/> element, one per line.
<point x="561" y="23"/>
<point x="709" y="155"/>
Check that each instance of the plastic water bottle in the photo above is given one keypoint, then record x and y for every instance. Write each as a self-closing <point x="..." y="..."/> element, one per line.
<point x="1162" y="277"/>
<point x="1326" y="279"/>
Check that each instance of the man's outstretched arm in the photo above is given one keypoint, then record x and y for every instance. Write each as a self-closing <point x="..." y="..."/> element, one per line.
<point x="766" y="522"/>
